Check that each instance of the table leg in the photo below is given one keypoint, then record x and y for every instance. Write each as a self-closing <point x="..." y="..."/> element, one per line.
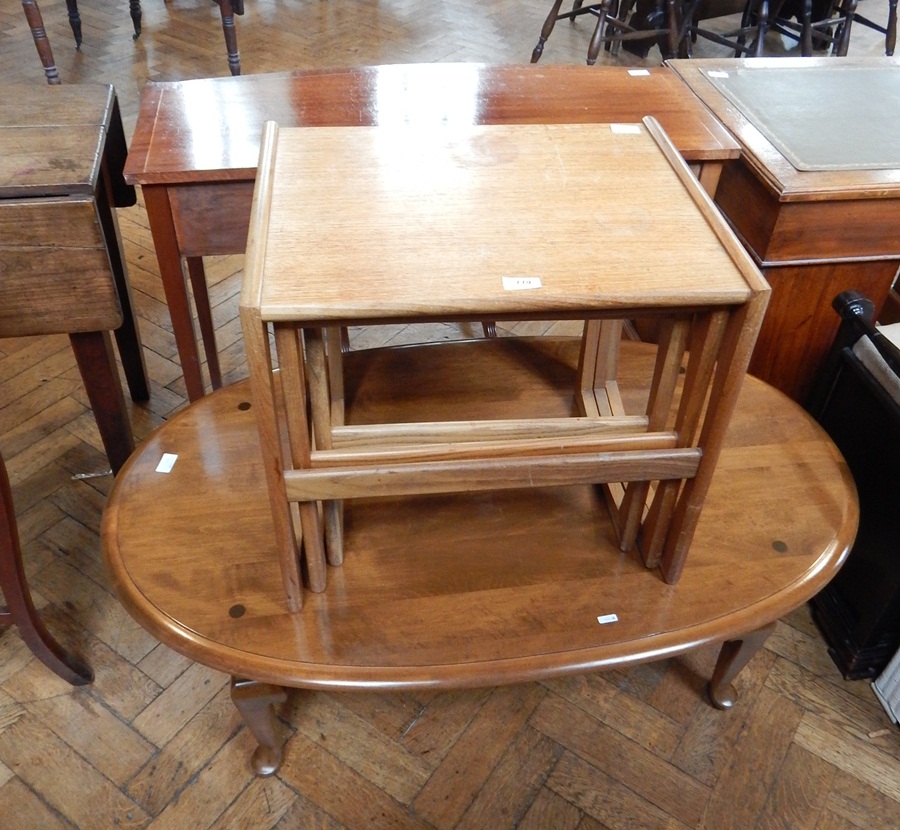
<point x="20" y="608"/>
<point x="128" y="337"/>
<point x="735" y="654"/>
<point x="94" y="355"/>
<point x="256" y="703"/>
<point x="41" y="42"/>
<point x="197" y="276"/>
<point x="165" y="240"/>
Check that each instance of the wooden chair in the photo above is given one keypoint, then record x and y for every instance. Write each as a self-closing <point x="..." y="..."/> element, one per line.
<point x="227" y="8"/>
<point x="889" y="31"/>
<point x="814" y="24"/>
<point x="857" y="400"/>
<point x="20" y="610"/>
<point x="637" y="26"/>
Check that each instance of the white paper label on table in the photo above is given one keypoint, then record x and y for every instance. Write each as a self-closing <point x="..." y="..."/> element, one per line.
<point x="520" y="283"/>
<point x="717" y="73"/>
<point x="629" y="129"/>
<point x="608" y="618"/>
<point x="166" y="462"/>
<point x="638" y="72"/>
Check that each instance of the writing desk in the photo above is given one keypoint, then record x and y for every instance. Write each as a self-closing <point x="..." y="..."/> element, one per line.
<point x="62" y="149"/>
<point x="814" y="232"/>
<point x="196" y="145"/>
<point x="491" y="588"/>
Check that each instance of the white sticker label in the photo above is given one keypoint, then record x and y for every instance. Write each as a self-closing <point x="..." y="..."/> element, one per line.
<point x="626" y="129"/>
<point x="520" y="283"/>
<point x="717" y="73"/>
<point x="637" y="72"/>
<point x="166" y="462"/>
<point x="607" y="618"/>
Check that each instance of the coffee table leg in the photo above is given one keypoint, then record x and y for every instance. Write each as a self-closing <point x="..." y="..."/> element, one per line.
<point x="735" y="654"/>
<point x="256" y="702"/>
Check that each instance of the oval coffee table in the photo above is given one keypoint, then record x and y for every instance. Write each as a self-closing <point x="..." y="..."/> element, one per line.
<point x="466" y="590"/>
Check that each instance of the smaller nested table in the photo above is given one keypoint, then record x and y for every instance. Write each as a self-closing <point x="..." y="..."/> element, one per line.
<point x="595" y="222"/>
<point x="451" y="591"/>
<point x="62" y="149"/>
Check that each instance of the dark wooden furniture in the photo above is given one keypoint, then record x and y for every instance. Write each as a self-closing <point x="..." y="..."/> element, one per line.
<point x="20" y="610"/>
<point x="889" y="30"/>
<point x="197" y="171"/>
<point x="857" y="400"/>
<point x="636" y="26"/>
<point x="466" y="590"/>
<point x="61" y="154"/>
<point x="227" y="9"/>
<point x="813" y="233"/>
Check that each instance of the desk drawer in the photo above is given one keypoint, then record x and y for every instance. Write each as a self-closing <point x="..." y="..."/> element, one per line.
<point x="55" y="275"/>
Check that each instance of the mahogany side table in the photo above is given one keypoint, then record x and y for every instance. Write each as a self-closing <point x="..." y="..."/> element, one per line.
<point x="197" y="165"/>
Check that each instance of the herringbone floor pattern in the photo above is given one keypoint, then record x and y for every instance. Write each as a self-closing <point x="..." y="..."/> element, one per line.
<point x="154" y="742"/>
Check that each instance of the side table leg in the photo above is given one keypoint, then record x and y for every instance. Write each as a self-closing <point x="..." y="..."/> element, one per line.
<point x="94" y="355"/>
<point x="168" y="255"/>
<point x="256" y="702"/>
<point x="735" y="654"/>
<point x="197" y="275"/>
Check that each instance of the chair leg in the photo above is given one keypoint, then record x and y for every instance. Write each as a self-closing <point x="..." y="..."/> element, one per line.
<point x="546" y="29"/>
<point x="74" y="21"/>
<point x="134" y="8"/>
<point x="226" y="8"/>
<point x="41" y="42"/>
<point x="890" y="38"/>
<point x="847" y="11"/>
<point x="20" y="607"/>
<point x="597" y="37"/>
<point x="806" y="29"/>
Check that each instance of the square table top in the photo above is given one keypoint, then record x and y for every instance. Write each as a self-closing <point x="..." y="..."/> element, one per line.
<point x="52" y="138"/>
<point x="208" y="130"/>
<point x="385" y="223"/>
<point x="792" y="115"/>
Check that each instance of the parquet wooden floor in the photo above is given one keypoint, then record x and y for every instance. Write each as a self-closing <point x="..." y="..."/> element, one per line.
<point x="154" y="742"/>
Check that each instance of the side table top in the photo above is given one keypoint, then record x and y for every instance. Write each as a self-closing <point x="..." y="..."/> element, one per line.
<point x="209" y="129"/>
<point x="475" y="589"/>
<point x="768" y="162"/>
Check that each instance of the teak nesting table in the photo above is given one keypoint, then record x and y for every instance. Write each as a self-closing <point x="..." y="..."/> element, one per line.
<point x="196" y="145"/>
<point x="551" y="221"/>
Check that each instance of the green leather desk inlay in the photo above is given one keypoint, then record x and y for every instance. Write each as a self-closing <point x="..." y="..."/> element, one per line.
<point x="821" y="118"/>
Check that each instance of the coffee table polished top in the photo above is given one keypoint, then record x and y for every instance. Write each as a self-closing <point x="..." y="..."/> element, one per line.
<point x="466" y="590"/>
